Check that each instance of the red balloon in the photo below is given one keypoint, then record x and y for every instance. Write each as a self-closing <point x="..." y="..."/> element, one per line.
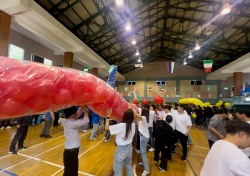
<point x="135" y="101"/>
<point x="158" y="99"/>
<point x="40" y="104"/>
<point x="144" y="101"/>
<point x="11" y="107"/>
<point x="64" y="96"/>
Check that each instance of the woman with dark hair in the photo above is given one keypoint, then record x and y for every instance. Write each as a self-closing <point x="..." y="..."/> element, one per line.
<point x="124" y="132"/>
<point x="142" y="121"/>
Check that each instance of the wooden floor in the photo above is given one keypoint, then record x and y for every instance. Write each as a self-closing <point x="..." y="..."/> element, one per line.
<point x="44" y="157"/>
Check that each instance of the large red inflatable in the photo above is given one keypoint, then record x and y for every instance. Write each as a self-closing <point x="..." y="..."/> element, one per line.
<point x="31" y="88"/>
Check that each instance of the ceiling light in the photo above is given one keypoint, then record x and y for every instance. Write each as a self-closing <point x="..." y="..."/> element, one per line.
<point x="185" y="61"/>
<point x="119" y="2"/>
<point x="197" y="47"/>
<point x="137" y="53"/>
<point x="190" y="56"/>
<point x="141" y="65"/>
<point x="226" y="9"/>
<point x="139" y="60"/>
<point x="133" y="41"/>
<point x="128" y="26"/>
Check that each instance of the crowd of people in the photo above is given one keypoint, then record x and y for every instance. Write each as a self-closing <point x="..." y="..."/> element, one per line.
<point x="155" y="129"/>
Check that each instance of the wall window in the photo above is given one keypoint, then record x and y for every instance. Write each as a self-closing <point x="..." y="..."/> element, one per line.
<point x="42" y="60"/>
<point x="48" y="62"/>
<point x="15" y="52"/>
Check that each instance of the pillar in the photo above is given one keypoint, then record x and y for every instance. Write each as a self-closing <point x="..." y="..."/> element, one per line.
<point x="238" y="82"/>
<point x="95" y="71"/>
<point x="5" y="20"/>
<point x="68" y="59"/>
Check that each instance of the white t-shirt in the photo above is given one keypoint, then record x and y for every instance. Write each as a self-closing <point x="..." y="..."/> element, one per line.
<point x="172" y="124"/>
<point x="143" y="127"/>
<point x="151" y="118"/>
<point x="161" y="114"/>
<point x="120" y="130"/>
<point x="71" y="133"/>
<point x="139" y="109"/>
<point x="182" y="121"/>
<point x="225" y="159"/>
<point x="247" y="150"/>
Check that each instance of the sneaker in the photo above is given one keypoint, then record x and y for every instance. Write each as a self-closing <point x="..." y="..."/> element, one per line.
<point x="14" y="152"/>
<point x="42" y="135"/>
<point x="84" y="131"/>
<point x="105" y="140"/>
<point x="151" y="149"/>
<point x="21" y="148"/>
<point x="184" y="157"/>
<point x="162" y="170"/>
<point x="140" y="163"/>
<point x="47" y="136"/>
<point x="8" y="127"/>
<point x="92" y="139"/>
<point x="137" y="151"/>
<point x="145" y="173"/>
<point x="156" y="162"/>
<point x="2" y="128"/>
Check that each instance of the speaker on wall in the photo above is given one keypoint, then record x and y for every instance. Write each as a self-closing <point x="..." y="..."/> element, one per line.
<point x="195" y="82"/>
<point x="160" y="83"/>
<point x="131" y="83"/>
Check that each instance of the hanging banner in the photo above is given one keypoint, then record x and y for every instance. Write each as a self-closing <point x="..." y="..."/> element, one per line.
<point x="112" y="75"/>
<point x="170" y="67"/>
<point x="208" y="64"/>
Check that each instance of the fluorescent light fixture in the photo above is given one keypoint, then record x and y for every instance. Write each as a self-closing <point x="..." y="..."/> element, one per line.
<point x="133" y="41"/>
<point x="226" y="9"/>
<point x="185" y="61"/>
<point x="128" y="26"/>
<point x="190" y="56"/>
<point x="137" y="53"/>
<point x="137" y="65"/>
<point x="197" y="47"/>
<point x="119" y="2"/>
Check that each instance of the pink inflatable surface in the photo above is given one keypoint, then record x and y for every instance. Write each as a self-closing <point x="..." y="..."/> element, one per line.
<point x="32" y="88"/>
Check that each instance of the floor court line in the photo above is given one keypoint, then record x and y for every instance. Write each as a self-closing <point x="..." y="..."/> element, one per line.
<point x="50" y="163"/>
<point x="57" y="172"/>
<point x="35" y="155"/>
<point x="90" y="148"/>
<point x="200" y="147"/>
<point x="41" y="160"/>
<point x="40" y="144"/>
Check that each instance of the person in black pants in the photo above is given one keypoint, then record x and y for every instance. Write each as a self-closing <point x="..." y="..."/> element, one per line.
<point x="35" y="117"/>
<point x="21" y="133"/>
<point x="72" y="139"/>
<point x="163" y="141"/>
<point x="55" y="122"/>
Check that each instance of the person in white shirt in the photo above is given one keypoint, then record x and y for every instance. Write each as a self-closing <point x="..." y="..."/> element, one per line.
<point x="124" y="132"/>
<point x="167" y="110"/>
<point x="182" y="130"/>
<point x="142" y="121"/>
<point x="72" y="139"/>
<point x="160" y="112"/>
<point x="225" y="157"/>
<point x="150" y="127"/>
<point x="244" y="115"/>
